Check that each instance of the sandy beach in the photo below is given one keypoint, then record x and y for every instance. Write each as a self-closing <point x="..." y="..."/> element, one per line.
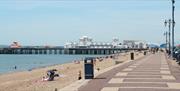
<point x="32" y="80"/>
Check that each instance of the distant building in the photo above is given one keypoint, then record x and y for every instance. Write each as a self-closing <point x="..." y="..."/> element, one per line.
<point x="71" y="45"/>
<point x="135" y="44"/>
<point x="87" y="42"/>
<point x="129" y="43"/>
<point x="101" y="45"/>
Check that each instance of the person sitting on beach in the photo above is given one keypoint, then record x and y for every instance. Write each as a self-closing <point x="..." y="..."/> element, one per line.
<point x="50" y="75"/>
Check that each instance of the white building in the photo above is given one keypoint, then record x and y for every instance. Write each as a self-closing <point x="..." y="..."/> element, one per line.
<point x="101" y="45"/>
<point x="141" y="44"/>
<point x="135" y="44"/>
<point x="129" y="43"/>
<point x="115" y="42"/>
<point x="87" y="42"/>
<point x="71" y="45"/>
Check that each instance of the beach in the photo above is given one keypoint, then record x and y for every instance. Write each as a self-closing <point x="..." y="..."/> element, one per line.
<point x="32" y="80"/>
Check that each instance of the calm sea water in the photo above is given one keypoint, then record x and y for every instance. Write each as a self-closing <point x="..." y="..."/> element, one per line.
<point x="28" y="62"/>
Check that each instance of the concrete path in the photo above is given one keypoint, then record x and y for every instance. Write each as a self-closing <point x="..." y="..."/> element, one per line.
<point x="153" y="73"/>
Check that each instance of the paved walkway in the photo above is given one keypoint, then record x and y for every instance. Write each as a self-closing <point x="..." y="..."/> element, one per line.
<point x="151" y="73"/>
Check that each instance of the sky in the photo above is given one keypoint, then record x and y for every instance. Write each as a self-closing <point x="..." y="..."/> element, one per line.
<point x="55" y="22"/>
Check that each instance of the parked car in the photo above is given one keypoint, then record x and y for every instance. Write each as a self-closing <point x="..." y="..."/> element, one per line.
<point x="178" y="59"/>
<point x="176" y="52"/>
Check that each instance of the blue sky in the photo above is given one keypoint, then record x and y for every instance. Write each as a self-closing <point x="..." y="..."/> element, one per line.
<point x="54" y="22"/>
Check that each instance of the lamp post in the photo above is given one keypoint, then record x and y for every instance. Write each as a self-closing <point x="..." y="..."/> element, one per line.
<point x="173" y="25"/>
<point x="169" y="33"/>
<point x="166" y="36"/>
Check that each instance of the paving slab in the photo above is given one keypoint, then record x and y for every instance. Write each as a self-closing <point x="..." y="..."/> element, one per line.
<point x="110" y="89"/>
<point x="138" y="85"/>
<point x="121" y="74"/>
<point x="165" y="72"/>
<point x="147" y="80"/>
<point x="146" y="89"/>
<point x="174" y="85"/>
<point x="116" y="80"/>
<point x="146" y="73"/>
<point x="139" y="76"/>
<point x="169" y="77"/>
<point x="127" y="69"/>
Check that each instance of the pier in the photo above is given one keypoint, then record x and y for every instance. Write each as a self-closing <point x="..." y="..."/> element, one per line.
<point x="72" y="51"/>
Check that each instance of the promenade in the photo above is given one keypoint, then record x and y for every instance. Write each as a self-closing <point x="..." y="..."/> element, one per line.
<point x="151" y="73"/>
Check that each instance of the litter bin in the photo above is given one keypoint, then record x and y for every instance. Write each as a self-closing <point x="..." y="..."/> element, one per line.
<point x="132" y="56"/>
<point x="89" y="68"/>
<point x="145" y="53"/>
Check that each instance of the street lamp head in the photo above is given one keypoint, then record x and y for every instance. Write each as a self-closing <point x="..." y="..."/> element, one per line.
<point x="165" y="23"/>
<point x="173" y="1"/>
<point x="169" y="20"/>
<point x="164" y="33"/>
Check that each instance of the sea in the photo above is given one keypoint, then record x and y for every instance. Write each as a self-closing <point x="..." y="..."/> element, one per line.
<point x="30" y="62"/>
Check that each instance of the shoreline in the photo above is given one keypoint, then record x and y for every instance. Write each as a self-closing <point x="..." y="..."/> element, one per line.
<point x="36" y="68"/>
<point x="45" y="66"/>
